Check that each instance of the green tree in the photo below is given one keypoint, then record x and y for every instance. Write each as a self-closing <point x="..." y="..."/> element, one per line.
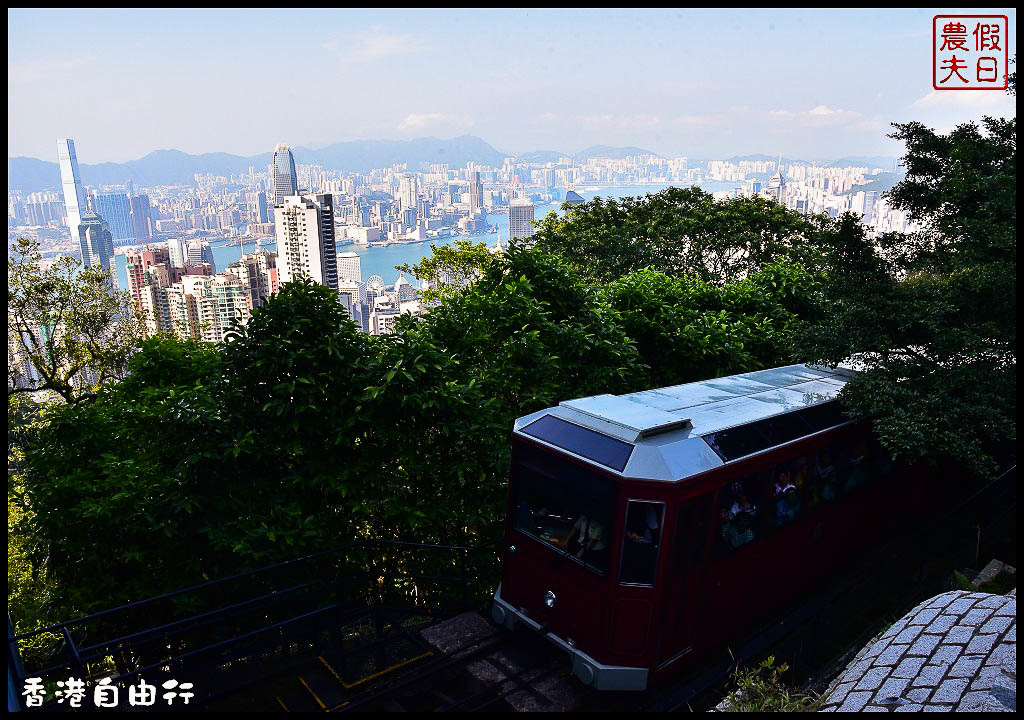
<point x="67" y="331"/>
<point x="678" y="232"/>
<point x="688" y="329"/>
<point x="449" y="268"/>
<point x="932" y="314"/>
<point x="113" y="490"/>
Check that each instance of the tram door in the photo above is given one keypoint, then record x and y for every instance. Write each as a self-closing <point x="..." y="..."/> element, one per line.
<point x="686" y="607"/>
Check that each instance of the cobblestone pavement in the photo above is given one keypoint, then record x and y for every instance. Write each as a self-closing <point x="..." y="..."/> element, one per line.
<point x="955" y="651"/>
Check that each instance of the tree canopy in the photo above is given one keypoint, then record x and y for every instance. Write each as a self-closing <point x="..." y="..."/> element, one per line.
<point x="678" y="231"/>
<point x="932" y="314"/>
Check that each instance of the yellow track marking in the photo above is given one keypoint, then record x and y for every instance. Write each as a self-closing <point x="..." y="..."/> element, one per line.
<point x="281" y="703"/>
<point x="319" y="701"/>
<point x="360" y="681"/>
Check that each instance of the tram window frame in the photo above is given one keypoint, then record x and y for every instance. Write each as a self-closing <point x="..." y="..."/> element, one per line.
<point x="657" y="544"/>
<point x="573" y="482"/>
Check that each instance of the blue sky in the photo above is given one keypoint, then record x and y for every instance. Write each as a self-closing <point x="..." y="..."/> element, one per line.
<point x="814" y="84"/>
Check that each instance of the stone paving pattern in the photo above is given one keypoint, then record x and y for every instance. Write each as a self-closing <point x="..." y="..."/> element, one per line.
<point x="954" y="652"/>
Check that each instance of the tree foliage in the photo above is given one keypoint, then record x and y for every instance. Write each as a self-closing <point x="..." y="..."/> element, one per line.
<point x="449" y="268"/>
<point x="932" y="314"/>
<point x="688" y="329"/>
<point x="67" y="331"/>
<point x="678" y="232"/>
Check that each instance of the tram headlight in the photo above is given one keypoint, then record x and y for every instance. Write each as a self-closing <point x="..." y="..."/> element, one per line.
<point x="549" y="599"/>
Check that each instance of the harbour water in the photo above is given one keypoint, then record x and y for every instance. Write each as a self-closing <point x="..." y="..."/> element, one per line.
<point x="382" y="260"/>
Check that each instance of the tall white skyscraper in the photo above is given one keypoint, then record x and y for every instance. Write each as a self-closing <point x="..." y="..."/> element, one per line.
<point x="520" y="218"/>
<point x="305" y="239"/>
<point x="283" y="174"/>
<point x="349" y="267"/>
<point x="408" y="190"/>
<point x="71" y="181"/>
<point x="476" y="193"/>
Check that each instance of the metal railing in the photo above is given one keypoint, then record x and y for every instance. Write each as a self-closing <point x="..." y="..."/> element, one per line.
<point x="249" y="623"/>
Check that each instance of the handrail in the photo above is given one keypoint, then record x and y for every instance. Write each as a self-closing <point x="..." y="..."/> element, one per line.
<point x="56" y="628"/>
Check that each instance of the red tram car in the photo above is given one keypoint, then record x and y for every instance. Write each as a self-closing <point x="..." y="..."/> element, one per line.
<point x="645" y="529"/>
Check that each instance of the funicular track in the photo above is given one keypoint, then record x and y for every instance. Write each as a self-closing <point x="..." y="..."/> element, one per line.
<point x="381" y="656"/>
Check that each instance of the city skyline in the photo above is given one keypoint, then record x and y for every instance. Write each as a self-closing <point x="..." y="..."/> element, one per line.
<point x="699" y="83"/>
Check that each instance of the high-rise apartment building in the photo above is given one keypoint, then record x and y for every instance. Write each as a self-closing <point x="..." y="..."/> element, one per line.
<point x="223" y="302"/>
<point x="253" y="270"/>
<point x="283" y="174"/>
<point x="71" y="182"/>
<point x="520" y="218"/>
<point x="138" y="262"/>
<point x="305" y="239"/>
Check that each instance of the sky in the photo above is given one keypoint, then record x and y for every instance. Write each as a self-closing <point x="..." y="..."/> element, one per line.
<point x="714" y="83"/>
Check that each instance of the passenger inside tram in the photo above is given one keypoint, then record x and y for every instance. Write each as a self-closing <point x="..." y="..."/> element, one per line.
<point x="787" y="499"/>
<point x="738" y="516"/>
<point x="588" y="540"/>
<point x="738" y="530"/>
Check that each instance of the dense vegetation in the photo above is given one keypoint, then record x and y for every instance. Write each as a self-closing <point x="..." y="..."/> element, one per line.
<point x="301" y="433"/>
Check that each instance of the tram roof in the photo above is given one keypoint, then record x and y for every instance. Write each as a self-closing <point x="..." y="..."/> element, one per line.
<point x="659" y="434"/>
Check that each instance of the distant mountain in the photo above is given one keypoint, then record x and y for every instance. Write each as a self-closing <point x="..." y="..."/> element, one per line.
<point x="167" y="167"/>
<point x="615" y="153"/>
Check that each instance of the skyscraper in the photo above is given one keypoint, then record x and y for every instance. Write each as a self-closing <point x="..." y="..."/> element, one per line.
<point x="199" y="251"/>
<point x="520" y="218"/>
<point x="305" y="239"/>
<point x="408" y="190"/>
<point x="476" y="193"/>
<point x="284" y="176"/>
<point x="349" y="267"/>
<point x="141" y="218"/>
<point x="777" y="184"/>
<point x="95" y="241"/>
<point x="71" y="181"/>
<point x="116" y="211"/>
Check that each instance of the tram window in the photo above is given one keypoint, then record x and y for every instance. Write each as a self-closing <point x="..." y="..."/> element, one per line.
<point x="641" y="542"/>
<point x="825" y="485"/>
<point x="739" y="515"/>
<point x="570" y="512"/>
<point x="691" y="533"/>
<point x="821" y="417"/>
<point x="787" y="491"/>
<point x="746" y="440"/>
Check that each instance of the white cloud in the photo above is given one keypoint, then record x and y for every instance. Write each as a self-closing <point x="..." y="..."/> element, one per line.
<point x="374" y="43"/>
<point x="976" y="100"/>
<point x="420" y="122"/>
<point x="817" y="116"/>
